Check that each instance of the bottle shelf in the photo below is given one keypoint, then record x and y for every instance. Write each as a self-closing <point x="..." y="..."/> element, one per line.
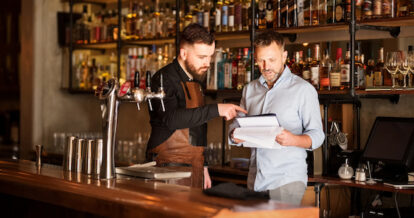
<point x="98" y="45"/>
<point x="397" y="91"/>
<point x="154" y="41"/>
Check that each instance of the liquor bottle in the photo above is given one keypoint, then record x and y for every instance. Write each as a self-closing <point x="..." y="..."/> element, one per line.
<point x="345" y="70"/>
<point x="358" y="9"/>
<point x="300" y="12"/>
<point x="347" y="10"/>
<point x="206" y="14"/>
<point x="323" y="11"/>
<point x="234" y="77"/>
<point x="367" y="10"/>
<point x="238" y="5"/>
<point x="246" y="15"/>
<point x="228" y="70"/>
<point x="315" y="12"/>
<point x="377" y="9"/>
<point x="370" y="74"/>
<point x="307" y="11"/>
<point x="330" y="13"/>
<point x="84" y="75"/>
<point x="359" y="68"/>
<point x="225" y="17"/>
<point x="296" y="67"/>
<point x="221" y="70"/>
<point x="292" y="13"/>
<point x="388" y="8"/>
<point x="403" y="8"/>
<point x="218" y="16"/>
<point x="284" y="9"/>
<point x="315" y="66"/>
<point x="241" y="70"/>
<point x="112" y="64"/>
<point x="340" y="11"/>
<point x="262" y="14"/>
<point x="130" y="21"/>
<point x="269" y="14"/>
<point x="231" y="16"/>
<point x="335" y="75"/>
<point x="379" y="71"/>
<point x="306" y="72"/>
<point x="325" y="72"/>
<point x="247" y="65"/>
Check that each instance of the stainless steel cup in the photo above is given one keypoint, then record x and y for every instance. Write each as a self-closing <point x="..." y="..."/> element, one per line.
<point x="68" y="153"/>
<point x="97" y="158"/>
<point x="87" y="157"/>
<point x="77" y="161"/>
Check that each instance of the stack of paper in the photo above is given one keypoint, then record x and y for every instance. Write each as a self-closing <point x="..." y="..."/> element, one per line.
<point x="258" y="131"/>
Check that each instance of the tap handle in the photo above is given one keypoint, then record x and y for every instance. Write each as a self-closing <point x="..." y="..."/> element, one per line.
<point x="161" y="82"/>
<point x="136" y="79"/>
<point x="162" y="105"/>
<point x="148" y="81"/>
<point x="139" y="108"/>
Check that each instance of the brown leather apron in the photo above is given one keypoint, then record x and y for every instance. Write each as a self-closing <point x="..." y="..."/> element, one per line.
<point x="177" y="148"/>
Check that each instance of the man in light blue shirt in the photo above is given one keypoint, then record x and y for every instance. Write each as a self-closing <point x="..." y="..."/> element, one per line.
<point x="295" y="102"/>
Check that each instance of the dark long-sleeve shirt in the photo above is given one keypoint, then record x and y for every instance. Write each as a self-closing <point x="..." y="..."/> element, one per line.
<point x="176" y="115"/>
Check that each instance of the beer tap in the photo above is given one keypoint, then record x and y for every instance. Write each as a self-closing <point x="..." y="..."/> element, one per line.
<point x="112" y="95"/>
<point x="148" y="84"/>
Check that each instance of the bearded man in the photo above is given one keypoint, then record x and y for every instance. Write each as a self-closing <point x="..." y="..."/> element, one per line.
<point x="179" y="134"/>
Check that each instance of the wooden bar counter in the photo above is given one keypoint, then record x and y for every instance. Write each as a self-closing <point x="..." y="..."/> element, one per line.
<point x="124" y="197"/>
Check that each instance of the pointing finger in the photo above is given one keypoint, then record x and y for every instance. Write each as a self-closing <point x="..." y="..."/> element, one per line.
<point x="238" y="108"/>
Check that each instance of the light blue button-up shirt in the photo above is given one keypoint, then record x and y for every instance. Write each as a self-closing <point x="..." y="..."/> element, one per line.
<point x="296" y="105"/>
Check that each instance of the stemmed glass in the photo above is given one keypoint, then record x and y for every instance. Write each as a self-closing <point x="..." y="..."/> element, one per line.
<point x="391" y="65"/>
<point x="410" y="56"/>
<point x="404" y="66"/>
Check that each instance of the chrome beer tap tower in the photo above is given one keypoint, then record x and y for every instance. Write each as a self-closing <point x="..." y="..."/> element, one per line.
<point x="111" y="95"/>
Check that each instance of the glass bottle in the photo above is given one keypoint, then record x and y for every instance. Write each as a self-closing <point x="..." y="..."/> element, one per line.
<point x="247" y="65"/>
<point x="323" y="11"/>
<point x="377" y="9"/>
<point x="228" y="84"/>
<point x="269" y="14"/>
<point x="284" y="13"/>
<point x="403" y="8"/>
<point x="292" y="14"/>
<point x="225" y="16"/>
<point x="300" y="12"/>
<point x="234" y="68"/>
<point x="345" y="171"/>
<point x="358" y="9"/>
<point x="315" y="12"/>
<point x="218" y="16"/>
<point x="330" y="14"/>
<point x="315" y="66"/>
<point x="306" y="73"/>
<point x="246" y="15"/>
<point x="335" y="75"/>
<point x="325" y="72"/>
<point x="369" y="74"/>
<point x="231" y="16"/>
<point x="340" y="11"/>
<point x="238" y="5"/>
<point x="367" y="10"/>
<point x="379" y="70"/>
<point x="262" y="14"/>
<point x="296" y="67"/>
<point x="345" y="71"/>
<point x="241" y="70"/>
<point x="387" y="9"/>
<point x="347" y="10"/>
<point x="307" y="10"/>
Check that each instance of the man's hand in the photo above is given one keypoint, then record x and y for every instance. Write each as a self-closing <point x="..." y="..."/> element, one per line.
<point x="229" y="111"/>
<point x="286" y="138"/>
<point x="207" y="180"/>
<point x="237" y="141"/>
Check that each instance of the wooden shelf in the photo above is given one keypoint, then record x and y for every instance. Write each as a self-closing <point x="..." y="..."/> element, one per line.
<point x="99" y="45"/>
<point x="155" y="41"/>
<point x="409" y="91"/>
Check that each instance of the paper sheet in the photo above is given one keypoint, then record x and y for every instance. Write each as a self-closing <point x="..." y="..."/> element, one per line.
<point x="258" y="137"/>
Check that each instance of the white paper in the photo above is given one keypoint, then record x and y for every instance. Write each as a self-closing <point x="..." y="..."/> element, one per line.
<point x="267" y="120"/>
<point x="258" y="137"/>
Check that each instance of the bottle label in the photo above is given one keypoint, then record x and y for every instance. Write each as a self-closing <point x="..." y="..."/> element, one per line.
<point x="345" y="77"/>
<point x="339" y="13"/>
<point x="206" y="19"/>
<point x="269" y="15"/>
<point x="306" y="74"/>
<point x="218" y="17"/>
<point x="335" y="79"/>
<point x="315" y="75"/>
<point x="231" y="20"/>
<point x="378" y="78"/>
<point x="224" y="15"/>
<point x="377" y="6"/>
<point x="227" y="75"/>
<point x="325" y="82"/>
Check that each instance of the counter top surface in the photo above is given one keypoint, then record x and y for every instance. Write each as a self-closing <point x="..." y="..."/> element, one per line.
<point x="127" y="196"/>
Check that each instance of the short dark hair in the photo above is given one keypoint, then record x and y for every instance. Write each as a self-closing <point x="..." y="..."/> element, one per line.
<point x="195" y="33"/>
<point x="268" y="37"/>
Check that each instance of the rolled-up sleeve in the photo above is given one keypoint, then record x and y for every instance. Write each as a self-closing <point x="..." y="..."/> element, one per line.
<point x="311" y="117"/>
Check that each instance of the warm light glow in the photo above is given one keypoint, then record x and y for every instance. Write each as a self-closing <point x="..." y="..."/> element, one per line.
<point x="305" y="44"/>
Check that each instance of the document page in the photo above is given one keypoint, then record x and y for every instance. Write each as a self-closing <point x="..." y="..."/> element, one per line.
<point x="258" y="131"/>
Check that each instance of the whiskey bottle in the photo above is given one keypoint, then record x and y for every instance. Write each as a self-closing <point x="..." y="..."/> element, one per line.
<point x="296" y="66"/>
<point x="387" y="8"/>
<point x="231" y="16"/>
<point x="218" y="16"/>
<point x="262" y="14"/>
<point x="246" y="15"/>
<point x="315" y="66"/>
<point x="306" y="73"/>
<point x="225" y="17"/>
<point x="238" y="5"/>
<point x="340" y="11"/>
<point x="234" y="68"/>
<point x="292" y="13"/>
<point x="345" y="70"/>
<point x="300" y="12"/>
<point x="315" y="12"/>
<point x="403" y="8"/>
<point x="335" y="75"/>
<point x="376" y="8"/>
<point x="284" y="8"/>
<point x="325" y="72"/>
<point x="307" y="10"/>
<point x="241" y="70"/>
<point x="367" y="10"/>
<point x="330" y="14"/>
<point x="358" y="9"/>
<point x="269" y="14"/>
<point x="323" y="11"/>
<point x="370" y="74"/>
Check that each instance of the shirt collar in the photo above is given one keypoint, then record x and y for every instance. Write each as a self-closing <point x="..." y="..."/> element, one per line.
<point x="285" y="75"/>
<point x="183" y="75"/>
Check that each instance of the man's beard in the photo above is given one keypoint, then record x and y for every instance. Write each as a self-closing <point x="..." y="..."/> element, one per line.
<point x="193" y="71"/>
